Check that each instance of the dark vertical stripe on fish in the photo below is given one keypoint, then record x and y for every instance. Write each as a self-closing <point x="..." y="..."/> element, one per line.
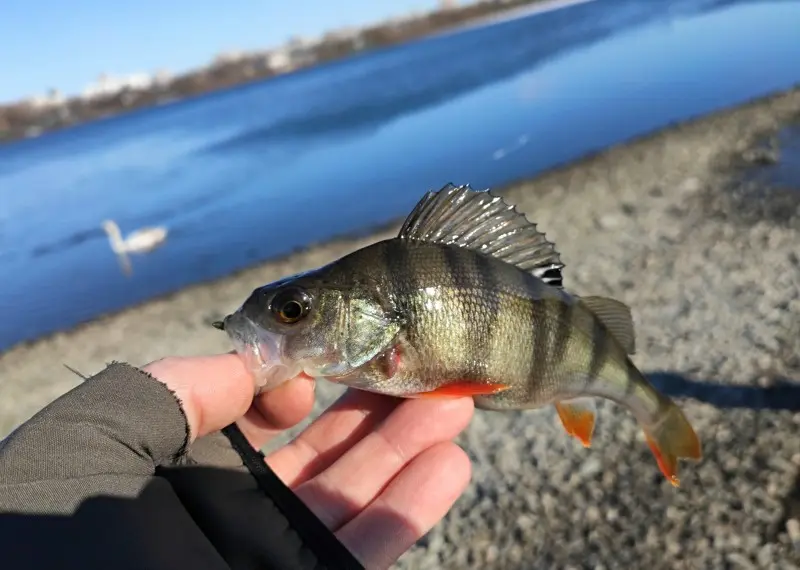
<point x="459" y="264"/>
<point x="454" y="262"/>
<point x="538" y="312"/>
<point x="486" y="275"/>
<point x="485" y="329"/>
<point x="599" y="349"/>
<point x="396" y="260"/>
<point x="346" y="268"/>
<point x="631" y="377"/>
<point x="563" y="330"/>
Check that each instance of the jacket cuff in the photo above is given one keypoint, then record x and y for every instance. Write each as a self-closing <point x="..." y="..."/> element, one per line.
<point x="121" y="420"/>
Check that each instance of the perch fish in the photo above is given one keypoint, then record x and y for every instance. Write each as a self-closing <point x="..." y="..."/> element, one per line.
<point x="467" y="300"/>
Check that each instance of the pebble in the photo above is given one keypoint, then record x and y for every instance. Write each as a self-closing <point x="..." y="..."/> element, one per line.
<point x="793" y="530"/>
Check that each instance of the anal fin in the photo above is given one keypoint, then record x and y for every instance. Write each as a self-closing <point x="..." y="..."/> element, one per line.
<point x="462" y="389"/>
<point x="578" y="418"/>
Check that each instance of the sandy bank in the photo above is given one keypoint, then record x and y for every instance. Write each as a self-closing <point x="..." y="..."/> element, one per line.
<point x="711" y="268"/>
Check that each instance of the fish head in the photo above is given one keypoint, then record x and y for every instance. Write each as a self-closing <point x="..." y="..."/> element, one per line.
<point x="310" y="324"/>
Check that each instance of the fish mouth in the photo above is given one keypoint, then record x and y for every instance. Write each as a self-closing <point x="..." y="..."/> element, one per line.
<point x="260" y="350"/>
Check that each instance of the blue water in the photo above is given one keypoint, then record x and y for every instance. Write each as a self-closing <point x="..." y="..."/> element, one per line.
<point x="255" y="172"/>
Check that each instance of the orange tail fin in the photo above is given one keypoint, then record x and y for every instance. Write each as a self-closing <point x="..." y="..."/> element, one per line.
<point x="670" y="439"/>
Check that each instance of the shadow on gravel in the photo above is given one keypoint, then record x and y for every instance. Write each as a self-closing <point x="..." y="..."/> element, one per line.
<point x="783" y="394"/>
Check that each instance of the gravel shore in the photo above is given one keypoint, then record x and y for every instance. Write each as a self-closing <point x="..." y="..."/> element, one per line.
<point x="686" y="228"/>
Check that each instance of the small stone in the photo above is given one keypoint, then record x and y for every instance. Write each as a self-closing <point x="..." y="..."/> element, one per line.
<point x="525" y="522"/>
<point x="690" y="185"/>
<point x="764" y="556"/>
<point x="492" y="553"/>
<point x="793" y="530"/>
<point x="590" y="467"/>
<point x="741" y="561"/>
<point x="609" y="221"/>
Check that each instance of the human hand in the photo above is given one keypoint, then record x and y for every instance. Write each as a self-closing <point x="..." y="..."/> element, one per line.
<point x="378" y="471"/>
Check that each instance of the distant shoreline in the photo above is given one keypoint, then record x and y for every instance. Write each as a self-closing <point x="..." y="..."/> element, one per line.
<point x="536" y="7"/>
<point x="26" y="120"/>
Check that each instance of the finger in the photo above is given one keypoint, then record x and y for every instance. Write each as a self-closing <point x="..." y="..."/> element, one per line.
<point x="409" y="506"/>
<point x="277" y="410"/>
<point x="413" y="427"/>
<point x="214" y="391"/>
<point x="340" y="427"/>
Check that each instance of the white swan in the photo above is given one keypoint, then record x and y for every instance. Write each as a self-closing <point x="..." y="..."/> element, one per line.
<point x="142" y="240"/>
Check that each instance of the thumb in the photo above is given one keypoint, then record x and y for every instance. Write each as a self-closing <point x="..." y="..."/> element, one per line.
<point x="214" y="391"/>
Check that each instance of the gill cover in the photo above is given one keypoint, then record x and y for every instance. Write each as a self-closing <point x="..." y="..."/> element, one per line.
<point x="366" y="332"/>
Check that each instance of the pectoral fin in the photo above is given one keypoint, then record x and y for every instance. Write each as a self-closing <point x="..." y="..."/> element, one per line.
<point x="578" y="418"/>
<point x="368" y="333"/>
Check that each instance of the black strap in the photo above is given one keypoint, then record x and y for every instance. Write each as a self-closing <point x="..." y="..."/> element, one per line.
<point x="315" y="535"/>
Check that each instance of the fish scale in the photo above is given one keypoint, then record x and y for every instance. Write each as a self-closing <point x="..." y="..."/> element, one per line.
<point x="467" y="300"/>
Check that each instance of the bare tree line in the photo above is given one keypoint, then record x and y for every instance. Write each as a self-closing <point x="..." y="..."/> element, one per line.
<point x="24" y="119"/>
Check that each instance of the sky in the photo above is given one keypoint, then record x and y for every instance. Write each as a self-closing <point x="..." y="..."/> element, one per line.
<point x="67" y="44"/>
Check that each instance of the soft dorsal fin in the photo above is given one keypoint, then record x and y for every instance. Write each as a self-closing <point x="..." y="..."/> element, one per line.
<point x="616" y="316"/>
<point x="484" y="222"/>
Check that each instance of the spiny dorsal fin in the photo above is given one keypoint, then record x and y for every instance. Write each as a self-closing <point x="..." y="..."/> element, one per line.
<point x="616" y="316"/>
<point x="484" y="222"/>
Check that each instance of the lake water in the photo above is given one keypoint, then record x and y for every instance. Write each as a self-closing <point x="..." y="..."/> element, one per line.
<point x="255" y="172"/>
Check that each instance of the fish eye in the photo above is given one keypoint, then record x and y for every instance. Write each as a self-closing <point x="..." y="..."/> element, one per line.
<point x="291" y="305"/>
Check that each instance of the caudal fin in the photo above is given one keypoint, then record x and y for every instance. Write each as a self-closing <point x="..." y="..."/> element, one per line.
<point x="672" y="438"/>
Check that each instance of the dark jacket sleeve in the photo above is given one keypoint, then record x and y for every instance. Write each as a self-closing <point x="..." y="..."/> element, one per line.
<point x="102" y="478"/>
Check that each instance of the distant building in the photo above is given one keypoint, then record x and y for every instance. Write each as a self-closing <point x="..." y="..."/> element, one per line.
<point x="137" y="81"/>
<point x="348" y="33"/>
<point x="107" y="85"/>
<point x="299" y="50"/>
<point x="53" y="98"/>
<point x="162" y="77"/>
<point x="227" y="57"/>
<point x="278" y="60"/>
